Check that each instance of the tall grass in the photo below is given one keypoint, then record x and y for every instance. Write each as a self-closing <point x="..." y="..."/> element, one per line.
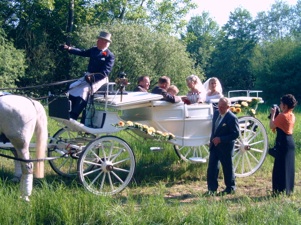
<point x="164" y="191"/>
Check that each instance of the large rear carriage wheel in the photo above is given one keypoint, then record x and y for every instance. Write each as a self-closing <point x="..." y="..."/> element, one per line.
<point x="249" y="152"/>
<point x="250" y="147"/>
<point x="106" y="166"/>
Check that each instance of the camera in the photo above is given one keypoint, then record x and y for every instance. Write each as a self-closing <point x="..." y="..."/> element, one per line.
<point x="277" y="110"/>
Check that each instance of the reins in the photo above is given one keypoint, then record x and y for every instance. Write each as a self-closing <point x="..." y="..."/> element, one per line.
<point x="32" y="160"/>
<point x="40" y="86"/>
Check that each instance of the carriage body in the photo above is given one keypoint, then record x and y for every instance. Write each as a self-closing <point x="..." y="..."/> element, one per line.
<point x="105" y="159"/>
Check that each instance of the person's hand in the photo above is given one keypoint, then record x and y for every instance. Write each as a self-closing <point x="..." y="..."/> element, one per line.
<point x="216" y="141"/>
<point x="64" y="47"/>
<point x="273" y="111"/>
<point x="185" y="100"/>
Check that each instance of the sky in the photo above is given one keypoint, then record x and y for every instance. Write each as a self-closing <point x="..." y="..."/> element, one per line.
<point x="219" y="10"/>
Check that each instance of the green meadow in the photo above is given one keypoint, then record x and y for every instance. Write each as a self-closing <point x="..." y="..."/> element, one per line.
<point x="165" y="190"/>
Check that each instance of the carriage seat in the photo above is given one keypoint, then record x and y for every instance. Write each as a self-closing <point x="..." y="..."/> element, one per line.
<point x="59" y="107"/>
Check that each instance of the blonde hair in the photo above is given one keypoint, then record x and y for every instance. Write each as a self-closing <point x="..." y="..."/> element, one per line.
<point x="173" y="88"/>
<point x="198" y="83"/>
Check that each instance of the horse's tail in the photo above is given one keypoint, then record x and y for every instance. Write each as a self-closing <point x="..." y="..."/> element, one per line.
<point x="41" y="131"/>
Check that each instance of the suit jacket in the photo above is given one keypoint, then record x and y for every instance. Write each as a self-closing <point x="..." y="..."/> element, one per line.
<point x="227" y="131"/>
<point x="166" y="96"/>
<point x="139" y="89"/>
<point x="101" y="62"/>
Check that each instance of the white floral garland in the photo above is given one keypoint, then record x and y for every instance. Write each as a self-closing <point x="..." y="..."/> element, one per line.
<point x="157" y="134"/>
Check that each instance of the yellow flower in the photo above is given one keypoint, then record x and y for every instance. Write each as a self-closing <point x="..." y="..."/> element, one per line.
<point x="129" y="123"/>
<point x="244" y="104"/>
<point x="237" y="105"/>
<point x="238" y="110"/>
<point x="121" y="124"/>
<point x="149" y="131"/>
<point x="232" y="109"/>
<point x="152" y="129"/>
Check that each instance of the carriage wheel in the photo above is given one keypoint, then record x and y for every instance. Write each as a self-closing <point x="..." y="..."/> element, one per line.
<point x="113" y="165"/>
<point x="195" y="154"/>
<point x="68" y="144"/>
<point x="250" y="147"/>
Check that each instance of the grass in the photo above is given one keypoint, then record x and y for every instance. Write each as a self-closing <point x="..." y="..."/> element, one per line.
<point x="164" y="191"/>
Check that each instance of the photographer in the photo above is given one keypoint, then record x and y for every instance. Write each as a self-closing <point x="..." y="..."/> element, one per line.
<point x="283" y="176"/>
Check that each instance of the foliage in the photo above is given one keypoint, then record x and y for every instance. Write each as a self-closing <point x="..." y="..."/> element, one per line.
<point x="231" y="59"/>
<point x="146" y="41"/>
<point x="277" y="66"/>
<point x="277" y="23"/>
<point x="201" y="39"/>
<point x="12" y="66"/>
<point x="162" y="184"/>
<point x="138" y="51"/>
<point x="164" y="16"/>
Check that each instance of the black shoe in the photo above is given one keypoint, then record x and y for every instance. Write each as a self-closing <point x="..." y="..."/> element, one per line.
<point x="209" y="193"/>
<point x="226" y="192"/>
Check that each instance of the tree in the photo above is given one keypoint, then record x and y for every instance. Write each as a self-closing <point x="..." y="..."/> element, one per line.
<point x="12" y="66"/>
<point x="164" y="16"/>
<point x="278" y="66"/>
<point x="277" y="23"/>
<point x="231" y="59"/>
<point x="138" y="51"/>
<point x="201" y="38"/>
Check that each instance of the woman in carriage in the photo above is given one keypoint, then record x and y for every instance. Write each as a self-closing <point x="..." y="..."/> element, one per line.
<point x="197" y="92"/>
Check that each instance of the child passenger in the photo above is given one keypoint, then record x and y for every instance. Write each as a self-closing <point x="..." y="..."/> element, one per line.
<point x="172" y="90"/>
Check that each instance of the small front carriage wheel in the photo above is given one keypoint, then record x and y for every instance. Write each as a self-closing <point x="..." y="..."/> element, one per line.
<point x="106" y="166"/>
<point x="193" y="154"/>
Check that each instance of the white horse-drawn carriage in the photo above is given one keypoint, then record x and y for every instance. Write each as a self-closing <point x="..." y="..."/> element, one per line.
<point x="105" y="163"/>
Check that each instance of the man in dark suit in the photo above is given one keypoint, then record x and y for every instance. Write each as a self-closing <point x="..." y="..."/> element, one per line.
<point x="225" y="130"/>
<point x="161" y="89"/>
<point x="143" y="84"/>
<point x="100" y="66"/>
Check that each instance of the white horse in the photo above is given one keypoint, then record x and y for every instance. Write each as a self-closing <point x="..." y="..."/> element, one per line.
<point x="20" y="118"/>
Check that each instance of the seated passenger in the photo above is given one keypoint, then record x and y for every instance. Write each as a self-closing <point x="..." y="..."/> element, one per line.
<point x="143" y="84"/>
<point x="163" y="84"/>
<point x="214" y="89"/>
<point x="172" y="90"/>
<point x="197" y="93"/>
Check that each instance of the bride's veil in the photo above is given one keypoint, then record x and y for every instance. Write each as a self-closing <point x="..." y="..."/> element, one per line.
<point x="218" y="85"/>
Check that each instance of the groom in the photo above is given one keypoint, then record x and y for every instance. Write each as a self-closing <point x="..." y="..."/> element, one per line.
<point x="225" y="130"/>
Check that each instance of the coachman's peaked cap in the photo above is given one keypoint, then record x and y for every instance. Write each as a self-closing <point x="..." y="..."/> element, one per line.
<point x="105" y="35"/>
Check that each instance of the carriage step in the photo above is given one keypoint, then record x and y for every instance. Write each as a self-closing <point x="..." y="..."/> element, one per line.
<point x="154" y="149"/>
<point x="197" y="159"/>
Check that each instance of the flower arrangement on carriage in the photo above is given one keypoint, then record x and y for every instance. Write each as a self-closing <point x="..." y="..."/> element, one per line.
<point x="246" y="107"/>
<point x="156" y="134"/>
